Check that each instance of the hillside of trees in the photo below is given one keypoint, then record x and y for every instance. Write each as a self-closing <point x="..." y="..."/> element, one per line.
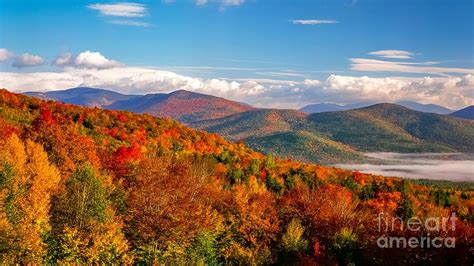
<point x="86" y="186"/>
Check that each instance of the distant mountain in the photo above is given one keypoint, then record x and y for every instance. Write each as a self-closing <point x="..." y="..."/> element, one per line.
<point x="332" y="107"/>
<point x="182" y="105"/>
<point x="322" y="107"/>
<point x="427" y="108"/>
<point x="466" y="113"/>
<point x="84" y="96"/>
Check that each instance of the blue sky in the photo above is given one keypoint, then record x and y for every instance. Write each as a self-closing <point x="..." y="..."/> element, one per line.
<point x="333" y="42"/>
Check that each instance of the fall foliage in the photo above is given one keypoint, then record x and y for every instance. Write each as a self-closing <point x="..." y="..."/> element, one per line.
<point x="88" y="186"/>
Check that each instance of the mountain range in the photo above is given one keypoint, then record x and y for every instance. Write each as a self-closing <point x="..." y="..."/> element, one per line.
<point x="340" y="135"/>
<point x="181" y="105"/>
<point x="331" y="107"/>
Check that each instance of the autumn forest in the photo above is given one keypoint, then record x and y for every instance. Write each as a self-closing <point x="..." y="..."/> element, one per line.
<point x="86" y="185"/>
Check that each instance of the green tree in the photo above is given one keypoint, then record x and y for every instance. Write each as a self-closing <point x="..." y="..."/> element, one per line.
<point x="85" y="200"/>
<point x="405" y="209"/>
<point x="292" y="240"/>
<point x="270" y="163"/>
<point x="254" y="167"/>
<point x="344" y="245"/>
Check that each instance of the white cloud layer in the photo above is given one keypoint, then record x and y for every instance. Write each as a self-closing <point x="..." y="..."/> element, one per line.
<point x="27" y="60"/>
<point x="453" y="92"/>
<point x="395" y="54"/>
<point x="87" y="59"/>
<point x="312" y="21"/>
<point x="373" y="65"/>
<point x="5" y="54"/>
<point x="120" y="9"/>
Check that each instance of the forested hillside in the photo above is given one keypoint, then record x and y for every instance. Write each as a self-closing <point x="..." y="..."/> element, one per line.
<point x="342" y="136"/>
<point x="87" y="186"/>
<point x="389" y="127"/>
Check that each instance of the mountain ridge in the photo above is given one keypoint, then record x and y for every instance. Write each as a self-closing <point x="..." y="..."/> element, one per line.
<point x="466" y="113"/>
<point x="182" y="105"/>
<point x="331" y="107"/>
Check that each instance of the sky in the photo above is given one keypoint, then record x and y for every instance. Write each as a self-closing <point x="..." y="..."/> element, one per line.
<point x="268" y="53"/>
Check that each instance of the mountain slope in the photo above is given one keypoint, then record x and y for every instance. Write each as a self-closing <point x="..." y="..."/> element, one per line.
<point x="91" y="97"/>
<point x="341" y="136"/>
<point x="277" y="131"/>
<point x="253" y="123"/>
<point x="182" y="105"/>
<point x="389" y="127"/>
<point x="466" y="113"/>
<point x="305" y="146"/>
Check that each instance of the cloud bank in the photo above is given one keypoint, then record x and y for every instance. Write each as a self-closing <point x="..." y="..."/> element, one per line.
<point x="288" y="89"/>
<point x="453" y="92"/>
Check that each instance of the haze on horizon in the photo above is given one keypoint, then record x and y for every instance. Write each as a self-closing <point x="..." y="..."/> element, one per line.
<point x="259" y="52"/>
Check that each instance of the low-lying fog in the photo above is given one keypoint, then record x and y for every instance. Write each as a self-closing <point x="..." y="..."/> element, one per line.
<point x="439" y="166"/>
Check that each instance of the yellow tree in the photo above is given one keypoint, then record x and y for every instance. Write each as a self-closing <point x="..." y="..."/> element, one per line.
<point x="27" y="180"/>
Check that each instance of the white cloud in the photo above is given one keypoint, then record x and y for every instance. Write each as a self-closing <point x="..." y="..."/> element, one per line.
<point x="87" y="59"/>
<point x="27" y="60"/>
<point x="5" y="54"/>
<point x="395" y="54"/>
<point x="362" y="64"/>
<point x="63" y="60"/>
<point x="312" y="82"/>
<point x="281" y="74"/>
<point x="223" y="3"/>
<point x="131" y="23"/>
<point x="126" y="80"/>
<point x="453" y="92"/>
<point x="201" y="2"/>
<point x="232" y="2"/>
<point x="120" y="9"/>
<point x="312" y="21"/>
